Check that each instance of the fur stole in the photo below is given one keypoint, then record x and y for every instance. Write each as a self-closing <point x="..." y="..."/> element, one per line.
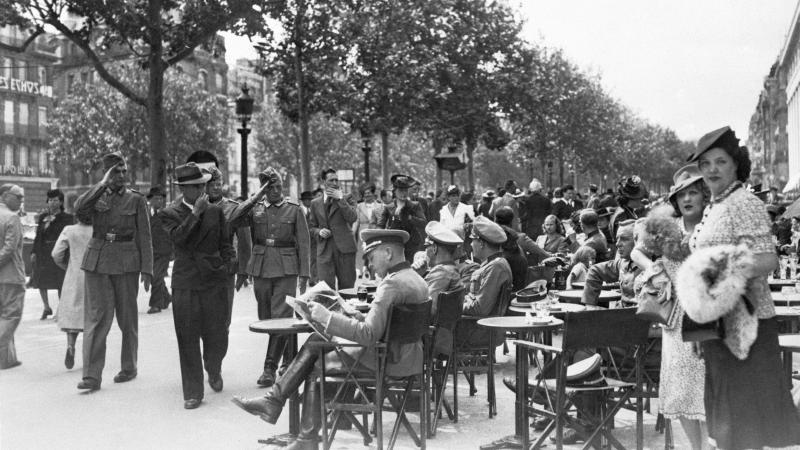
<point x="710" y="285"/>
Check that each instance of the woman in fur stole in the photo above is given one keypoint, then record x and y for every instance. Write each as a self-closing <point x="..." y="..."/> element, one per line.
<point x="747" y="396"/>
<point x="664" y="237"/>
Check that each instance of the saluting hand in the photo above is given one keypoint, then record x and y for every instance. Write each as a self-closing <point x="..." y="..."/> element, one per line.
<point x="107" y="177"/>
<point x="200" y="205"/>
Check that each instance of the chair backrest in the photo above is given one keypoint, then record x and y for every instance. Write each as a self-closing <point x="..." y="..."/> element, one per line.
<point x="604" y="328"/>
<point x="409" y="322"/>
<point x="450" y="304"/>
<point x="504" y="301"/>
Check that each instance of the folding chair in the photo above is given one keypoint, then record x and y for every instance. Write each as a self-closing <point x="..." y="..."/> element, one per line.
<point x="474" y="359"/>
<point x="359" y="390"/>
<point x="451" y="304"/>
<point x="586" y="329"/>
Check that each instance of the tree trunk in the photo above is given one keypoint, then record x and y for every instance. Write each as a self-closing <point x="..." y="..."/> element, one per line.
<point x="437" y="148"/>
<point x="471" y="143"/>
<point x="155" y="99"/>
<point x="305" y="155"/>
<point x="385" y="159"/>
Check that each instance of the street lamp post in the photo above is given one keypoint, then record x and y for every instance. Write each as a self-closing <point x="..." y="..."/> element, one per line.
<point x="244" y="110"/>
<point x="366" y="149"/>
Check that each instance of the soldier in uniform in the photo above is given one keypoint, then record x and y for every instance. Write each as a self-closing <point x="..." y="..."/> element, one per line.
<point x="622" y="269"/>
<point x="203" y="254"/>
<point x="404" y="214"/>
<point x="120" y="249"/>
<point x="280" y="256"/>
<point x="384" y="249"/>
<point x="441" y="245"/>
<point x="162" y="252"/>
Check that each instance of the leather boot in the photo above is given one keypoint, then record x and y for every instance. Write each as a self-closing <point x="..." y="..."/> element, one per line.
<point x="269" y="406"/>
<point x="310" y="422"/>
<point x="286" y="358"/>
<point x="275" y="349"/>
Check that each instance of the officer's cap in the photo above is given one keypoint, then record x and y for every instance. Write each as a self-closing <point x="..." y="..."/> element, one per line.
<point x="112" y="159"/>
<point x="489" y="231"/>
<point x="374" y="238"/>
<point x="440" y="234"/>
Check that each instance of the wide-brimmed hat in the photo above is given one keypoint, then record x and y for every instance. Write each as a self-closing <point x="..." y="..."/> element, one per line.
<point x="306" y="195"/>
<point x="683" y="178"/>
<point x="632" y="188"/>
<point x="190" y="173"/>
<point x="400" y="181"/>
<point x="156" y="191"/>
<point x="489" y="194"/>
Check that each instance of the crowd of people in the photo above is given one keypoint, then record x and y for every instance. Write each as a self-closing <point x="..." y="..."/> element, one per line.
<point x="728" y="392"/>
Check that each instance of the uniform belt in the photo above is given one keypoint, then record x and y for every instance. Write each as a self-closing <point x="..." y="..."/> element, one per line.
<point x="274" y="243"/>
<point x="114" y="237"/>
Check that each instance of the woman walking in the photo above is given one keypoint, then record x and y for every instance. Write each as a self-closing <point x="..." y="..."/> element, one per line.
<point x="747" y="396"/>
<point x="68" y="255"/>
<point x="46" y="274"/>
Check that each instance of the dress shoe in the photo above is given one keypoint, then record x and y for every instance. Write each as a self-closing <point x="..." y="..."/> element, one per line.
<point x="267" y="378"/>
<point x="215" y="381"/>
<point x="153" y="310"/>
<point x="12" y="365"/>
<point x="124" y="376"/>
<point x="89" y="385"/>
<point x="192" y="403"/>
<point x="45" y="313"/>
<point x="541" y="423"/>
<point x="266" y="407"/>
<point x="570" y="437"/>
<point x="69" y="358"/>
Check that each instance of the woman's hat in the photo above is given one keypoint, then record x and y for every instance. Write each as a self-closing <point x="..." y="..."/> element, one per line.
<point x="722" y="137"/>
<point x="402" y="181"/>
<point x="190" y="173"/>
<point x="632" y="188"/>
<point x="683" y="178"/>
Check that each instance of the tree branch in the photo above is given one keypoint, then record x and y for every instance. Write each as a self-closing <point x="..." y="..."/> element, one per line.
<point x="21" y="48"/>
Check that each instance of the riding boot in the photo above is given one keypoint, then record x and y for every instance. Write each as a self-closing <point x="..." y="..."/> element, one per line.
<point x="286" y="360"/>
<point x="310" y="423"/>
<point x="275" y="349"/>
<point x="269" y="406"/>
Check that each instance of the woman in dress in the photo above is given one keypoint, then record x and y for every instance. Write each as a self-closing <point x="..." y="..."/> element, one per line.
<point x="47" y="275"/>
<point x="554" y="239"/>
<point x="68" y="255"/>
<point x="682" y="379"/>
<point x="747" y="396"/>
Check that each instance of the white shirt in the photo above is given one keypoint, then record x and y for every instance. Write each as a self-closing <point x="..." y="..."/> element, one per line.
<point x="456" y="221"/>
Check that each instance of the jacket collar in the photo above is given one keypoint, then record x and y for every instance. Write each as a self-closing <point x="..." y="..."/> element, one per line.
<point x="398" y="267"/>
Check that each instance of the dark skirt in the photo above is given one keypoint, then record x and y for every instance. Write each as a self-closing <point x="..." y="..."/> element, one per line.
<point x="46" y="274"/>
<point x="749" y="403"/>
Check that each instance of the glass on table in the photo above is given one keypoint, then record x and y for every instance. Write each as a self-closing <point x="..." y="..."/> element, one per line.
<point x="542" y="309"/>
<point x="783" y="261"/>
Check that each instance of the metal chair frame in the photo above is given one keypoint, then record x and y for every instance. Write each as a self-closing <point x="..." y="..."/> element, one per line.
<point x="450" y="304"/>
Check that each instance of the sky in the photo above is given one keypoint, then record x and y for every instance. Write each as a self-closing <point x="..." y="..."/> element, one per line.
<point x="690" y="65"/>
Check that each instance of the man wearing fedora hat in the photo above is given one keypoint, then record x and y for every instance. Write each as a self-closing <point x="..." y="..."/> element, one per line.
<point x="162" y="252"/>
<point x="203" y="254"/>
<point x="121" y="247"/>
<point x="405" y="214"/>
<point x="281" y="254"/>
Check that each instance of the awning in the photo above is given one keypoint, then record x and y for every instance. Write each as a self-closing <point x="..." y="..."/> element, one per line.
<point x="793" y="183"/>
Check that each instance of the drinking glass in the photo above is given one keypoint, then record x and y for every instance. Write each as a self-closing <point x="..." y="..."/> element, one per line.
<point x="783" y="261"/>
<point x="793" y="265"/>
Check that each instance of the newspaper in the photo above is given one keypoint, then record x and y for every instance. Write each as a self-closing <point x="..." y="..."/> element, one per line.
<point x="322" y="294"/>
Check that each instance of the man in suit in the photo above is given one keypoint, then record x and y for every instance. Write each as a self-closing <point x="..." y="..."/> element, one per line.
<point x="162" y="252"/>
<point x="280" y="255"/>
<point x="305" y="204"/>
<point x="384" y="249"/>
<point x="534" y="209"/>
<point x="332" y="218"/>
<point x="621" y="269"/>
<point x="405" y="214"/>
<point x="508" y="199"/>
<point x="203" y="254"/>
<point x="12" y="272"/>
<point x="121" y="247"/>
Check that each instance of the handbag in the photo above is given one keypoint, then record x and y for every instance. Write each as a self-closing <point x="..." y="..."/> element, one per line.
<point x="656" y="302"/>
<point x="692" y="331"/>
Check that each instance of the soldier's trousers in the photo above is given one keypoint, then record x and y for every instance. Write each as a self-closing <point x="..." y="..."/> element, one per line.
<point x="105" y="295"/>
<point x="12" y="298"/>
<point x="200" y="315"/>
<point x="271" y="296"/>
<point x="159" y="294"/>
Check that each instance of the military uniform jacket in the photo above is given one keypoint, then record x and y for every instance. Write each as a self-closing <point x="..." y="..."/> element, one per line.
<point x="597" y="241"/>
<point x="244" y="244"/>
<point x="441" y="278"/>
<point x="411" y="219"/>
<point x="121" y="240"/>
<point x="338" y="217"/>
<point x="401" y="285"/>
<point x="484" y="286"/>
<point x="280" y="238"/>
<point x="622" y="270"/>
<point x="203" y="251"/>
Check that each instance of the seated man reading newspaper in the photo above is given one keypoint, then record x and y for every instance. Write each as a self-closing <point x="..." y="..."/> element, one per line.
<point x="384" y="250"/>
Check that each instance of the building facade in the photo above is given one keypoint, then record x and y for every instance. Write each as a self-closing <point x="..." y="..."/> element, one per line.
<point x="789" y="66"/>
<point x="767" y="138"/>
<point x="26" y="99"/>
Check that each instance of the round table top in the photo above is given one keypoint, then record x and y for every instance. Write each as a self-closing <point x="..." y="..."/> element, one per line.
<point x="787" y="311"/>
<point x="777" y="282"/>
<point x="792" y="297"/>
<point x="605" y="286"/>
<point x="287" y="325"/>
<point x="789" y="342"/>
<point x="578" y="294"/>
<point x="518" y="323"/>
<point x="562" y="308"/>
<point x="348" y="292"/>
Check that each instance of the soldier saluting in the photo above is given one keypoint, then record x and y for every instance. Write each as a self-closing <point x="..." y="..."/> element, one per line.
<point x="280" y="255"/>
<point x="121" y="248"/>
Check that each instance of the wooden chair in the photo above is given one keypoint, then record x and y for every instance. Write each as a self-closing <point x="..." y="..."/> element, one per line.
<point x="360" y="391"/>
<point x="476" y="359"/>
<point x="586" y="329"/>
<point x="450" y="304"/>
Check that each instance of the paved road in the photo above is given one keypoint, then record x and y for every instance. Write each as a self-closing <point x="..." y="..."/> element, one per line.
<point x="40" y="406"/>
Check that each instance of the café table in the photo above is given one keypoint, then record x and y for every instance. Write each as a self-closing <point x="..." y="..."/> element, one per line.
<point x="786" y="298"/>
<point x="575" y="296"/>
<point x="289" y="327"/>
<point x="789" y="343"/>
<point x="605" y="286"/>
<point x="519" y="324"/>
<point x="776" y="285"/>
<point x="790" y="315"/>
<point x="559" y="310"/>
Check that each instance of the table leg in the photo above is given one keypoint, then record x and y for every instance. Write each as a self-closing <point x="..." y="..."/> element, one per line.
<point x="520" y="437"/>
<point x="294" y="399"/>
